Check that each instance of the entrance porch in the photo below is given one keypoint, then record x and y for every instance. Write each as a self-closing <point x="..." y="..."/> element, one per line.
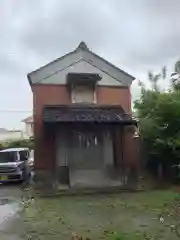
<point x="89" y="145"/>
<point x="86" y="155"/>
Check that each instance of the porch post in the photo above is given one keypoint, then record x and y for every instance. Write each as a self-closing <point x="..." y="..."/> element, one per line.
<point x="45" y="170"/>
<point x="117" y="146"/>
<point x="130" y="155"/>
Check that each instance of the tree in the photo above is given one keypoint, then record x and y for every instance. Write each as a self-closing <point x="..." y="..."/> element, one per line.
<point x="29" y="143"/>
<point x="154" y="78"/>
<point x="159" y="115"/>
<point x="175" y="76"/>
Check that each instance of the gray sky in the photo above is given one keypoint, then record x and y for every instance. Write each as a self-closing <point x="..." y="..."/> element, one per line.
<point x="137" y="36"/>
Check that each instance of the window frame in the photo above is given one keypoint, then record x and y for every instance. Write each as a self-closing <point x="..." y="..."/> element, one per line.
<point x="73" y="89"/>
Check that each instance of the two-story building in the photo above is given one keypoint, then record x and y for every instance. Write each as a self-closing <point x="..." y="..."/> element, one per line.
<point x="29" y="127"/>
<point x="83" y="129"/>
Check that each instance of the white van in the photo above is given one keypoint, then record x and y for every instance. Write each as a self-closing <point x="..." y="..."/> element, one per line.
<point x="14" y="165"/>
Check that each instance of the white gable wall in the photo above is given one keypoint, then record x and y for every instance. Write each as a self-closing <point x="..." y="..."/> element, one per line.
<point x="81" y="67"/>
<point x="54" y="67"/>
<point x="80" y="61"/>
<point x="117" y="74"/>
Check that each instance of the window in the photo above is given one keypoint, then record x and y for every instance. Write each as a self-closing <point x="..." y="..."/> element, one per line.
<point x="6" y="157"/>
<point x="83" y="94"/>
<point x="23" y="155"/>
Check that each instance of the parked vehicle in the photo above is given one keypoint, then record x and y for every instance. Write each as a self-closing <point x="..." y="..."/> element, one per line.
<point x="14" y="165"/>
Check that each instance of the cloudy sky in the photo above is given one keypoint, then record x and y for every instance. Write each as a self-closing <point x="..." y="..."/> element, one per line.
<point x="136" y="35"/>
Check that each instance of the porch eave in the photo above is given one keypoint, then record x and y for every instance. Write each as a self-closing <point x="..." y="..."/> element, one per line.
<point x="87" y="114"/>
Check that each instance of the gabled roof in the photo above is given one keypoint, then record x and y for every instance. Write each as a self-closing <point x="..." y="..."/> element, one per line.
<point x="82" y="52"/>
<point x="28" y="119"/>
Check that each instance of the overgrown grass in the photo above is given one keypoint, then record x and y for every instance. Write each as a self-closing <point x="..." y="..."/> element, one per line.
<point x="112" y="217"/>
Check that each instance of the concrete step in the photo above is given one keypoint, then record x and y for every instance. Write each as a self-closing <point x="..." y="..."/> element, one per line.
<point x="92" y="179"/>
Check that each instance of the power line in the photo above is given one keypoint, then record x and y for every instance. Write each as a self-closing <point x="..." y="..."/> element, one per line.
<point x="15" y="111"/>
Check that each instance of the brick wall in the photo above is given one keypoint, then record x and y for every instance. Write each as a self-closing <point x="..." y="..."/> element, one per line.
<point x="115" y="96"/>
<point x="56" y="94"/>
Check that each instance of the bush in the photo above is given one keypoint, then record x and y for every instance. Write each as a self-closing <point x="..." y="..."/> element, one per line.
<point x="29" y="143"/>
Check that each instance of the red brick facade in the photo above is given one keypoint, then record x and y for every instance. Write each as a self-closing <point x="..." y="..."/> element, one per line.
<point x="58" y="94"/>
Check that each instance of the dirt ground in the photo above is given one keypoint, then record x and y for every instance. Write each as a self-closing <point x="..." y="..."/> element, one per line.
<point x="125" y="216"/>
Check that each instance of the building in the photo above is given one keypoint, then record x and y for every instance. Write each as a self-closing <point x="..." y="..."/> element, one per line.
<point x="83" y="127"/>
<point x="10" y="135"/>
<point x="29" y="128"/>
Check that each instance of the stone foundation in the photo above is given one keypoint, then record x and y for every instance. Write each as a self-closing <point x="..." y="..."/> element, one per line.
<point x="47" y="182"/>
<point x="44" y="180"/>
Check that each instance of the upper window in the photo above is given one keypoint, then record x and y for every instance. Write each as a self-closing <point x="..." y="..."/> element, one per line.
<point x="83" y="86"/>
<point x="83" y="94"/>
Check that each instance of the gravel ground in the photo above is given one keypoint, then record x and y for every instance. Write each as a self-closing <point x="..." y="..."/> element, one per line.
<point x="129" y="215"/>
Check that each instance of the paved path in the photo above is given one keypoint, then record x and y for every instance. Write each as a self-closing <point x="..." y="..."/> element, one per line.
<point x="10" y="197"/>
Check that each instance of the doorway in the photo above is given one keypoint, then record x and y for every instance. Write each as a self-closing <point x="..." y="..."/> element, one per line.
<point x="86" y="160"/>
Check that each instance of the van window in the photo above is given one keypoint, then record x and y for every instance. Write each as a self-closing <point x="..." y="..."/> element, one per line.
<point x="23" y="155"/>
<point x="6" y="157"/>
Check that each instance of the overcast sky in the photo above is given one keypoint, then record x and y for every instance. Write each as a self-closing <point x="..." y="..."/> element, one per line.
<point x="137" y="36"/>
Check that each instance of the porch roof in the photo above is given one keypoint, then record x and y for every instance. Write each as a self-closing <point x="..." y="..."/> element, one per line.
<point x="85" y="113"/>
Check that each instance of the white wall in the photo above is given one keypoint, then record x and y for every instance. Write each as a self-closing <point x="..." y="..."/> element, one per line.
<point x="80" y="61"/>
<point x="81" y="67"/>
<point x="61" y="148"/>
<point x="29" y="129"/>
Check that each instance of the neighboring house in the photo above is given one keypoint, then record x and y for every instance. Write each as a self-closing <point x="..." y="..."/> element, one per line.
<point x="10" y="135"/>
<point x="28" y="126"/>
<point x="84" y="133"/>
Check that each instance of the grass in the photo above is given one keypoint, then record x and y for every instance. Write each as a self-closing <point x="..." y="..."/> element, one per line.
<point x="112" y="217"/>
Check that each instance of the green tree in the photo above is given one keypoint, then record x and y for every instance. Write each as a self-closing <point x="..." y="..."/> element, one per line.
<point x="175" y="77"/>
<point x="159" y="115"/>
<point x="154" y="78"/>
<point x="29" y="143"/>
